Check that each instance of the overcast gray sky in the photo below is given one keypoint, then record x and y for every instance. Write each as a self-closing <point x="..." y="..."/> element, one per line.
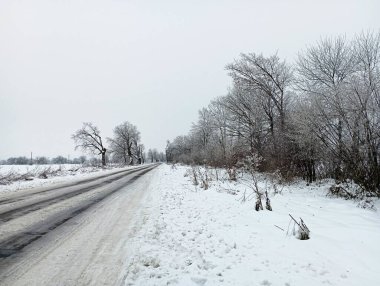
<point x="152" y="63"/>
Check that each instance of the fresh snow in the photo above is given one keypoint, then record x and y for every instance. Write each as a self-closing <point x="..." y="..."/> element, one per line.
<point x="191" y="236"/>
<point x="181" y="234"/>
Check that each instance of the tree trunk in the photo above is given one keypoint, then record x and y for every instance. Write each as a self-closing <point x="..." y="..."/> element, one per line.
<point x="338" y="167"/>
<point x="104" y="157"/>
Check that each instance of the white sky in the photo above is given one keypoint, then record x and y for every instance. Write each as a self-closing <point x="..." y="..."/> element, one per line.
<point x="152" y="63"/>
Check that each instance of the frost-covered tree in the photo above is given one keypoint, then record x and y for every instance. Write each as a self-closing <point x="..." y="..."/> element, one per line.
<point x="268" y="79"/>
<point x="339" y="82"/>
<point x="88" y="139"/>
<point x="59" y="160"/>
<point x="153" y="155"/>
<point x="324" y="70"/>
<point x="323" y="120"/>
<point x="125" y="143"/>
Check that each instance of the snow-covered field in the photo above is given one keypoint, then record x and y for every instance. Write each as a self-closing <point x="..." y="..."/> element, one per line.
<point x="54" y="174"/>
<point x="191" y="236"/>
<point x="26" y="168"/>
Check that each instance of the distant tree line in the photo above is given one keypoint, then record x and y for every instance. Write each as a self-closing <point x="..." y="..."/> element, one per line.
<point x="22" y="160"/>
<point x="155" y="156"/>
<point x="316" y="118"/>
<point x="124" y="147"/>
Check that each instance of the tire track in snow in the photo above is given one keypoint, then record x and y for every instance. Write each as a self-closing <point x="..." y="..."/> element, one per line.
<point x="17" y="198"/>
<point x="23" y="210"/>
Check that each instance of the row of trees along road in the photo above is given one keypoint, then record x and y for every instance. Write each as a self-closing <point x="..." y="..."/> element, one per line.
<point x="318" y="117"/>
<point x="124" y="147"/>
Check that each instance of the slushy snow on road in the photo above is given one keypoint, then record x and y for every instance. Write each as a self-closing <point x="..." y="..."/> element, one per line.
<point x="192" y="236"/>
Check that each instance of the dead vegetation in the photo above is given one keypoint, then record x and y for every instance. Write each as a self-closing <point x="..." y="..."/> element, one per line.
<point x="341" y="192"/>
<point x="303" y="232"/>
<point x="42" y="172"/>
<point x="250" y="165"/>
<point x="201" y="176"/>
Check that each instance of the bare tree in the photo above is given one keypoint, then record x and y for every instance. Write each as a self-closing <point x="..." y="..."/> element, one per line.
<point x="339" y="81"/>
<point x="269" y="75"/>
<point x="248" y="121"/>
<point x="324" y="71"/>
<point x="125" y="143"/>
<point x="179" y="150"/>
<point x="88" y="139"/>
<point x="365" y="86"/>
<point x="140" y="153"/>
<point x="153" y="155"/>
<point x="269" y="79"/>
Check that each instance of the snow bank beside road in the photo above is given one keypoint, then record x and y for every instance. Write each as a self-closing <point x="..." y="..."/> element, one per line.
<point x="55" y="174"/>
<point x="198" y="237"/>
<point x="27" y="168"/>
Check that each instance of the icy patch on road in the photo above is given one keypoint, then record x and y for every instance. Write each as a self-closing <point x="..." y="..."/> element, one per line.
<point x="198" y="237"/>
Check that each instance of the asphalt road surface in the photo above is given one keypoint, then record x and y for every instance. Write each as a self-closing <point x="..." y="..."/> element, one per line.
<point x="71" y="234"/>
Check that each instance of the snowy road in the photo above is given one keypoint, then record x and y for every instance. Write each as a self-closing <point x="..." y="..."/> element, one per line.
<point x="70" y="234"/>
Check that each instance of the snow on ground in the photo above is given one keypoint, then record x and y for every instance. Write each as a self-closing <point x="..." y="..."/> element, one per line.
<point x="193" y="236"/>
<point x="59" y="174"/>
<point x="27" y="168"/>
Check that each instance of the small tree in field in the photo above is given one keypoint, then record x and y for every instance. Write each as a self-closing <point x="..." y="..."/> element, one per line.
<point x="250" y="164"/>
<point x="88" y="139"/>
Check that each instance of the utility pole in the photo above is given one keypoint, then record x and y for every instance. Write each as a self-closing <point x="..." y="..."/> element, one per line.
<point x="31" y="158"/>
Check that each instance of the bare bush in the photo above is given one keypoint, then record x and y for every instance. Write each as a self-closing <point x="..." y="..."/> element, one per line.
<point x="231" y="173"/>
<point x="250" y="164"/>
<point x="205" y="178"/>
<point x="200" y="176"/>
<point x="303" y="232"/>
<point x="268" y="205"/>
<point x="341" y="192"/>
<point x="258" y="204"/>
<point x="367" y="204"/>
<point x="195" y="175"/>
<point x="38" y="172"/>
